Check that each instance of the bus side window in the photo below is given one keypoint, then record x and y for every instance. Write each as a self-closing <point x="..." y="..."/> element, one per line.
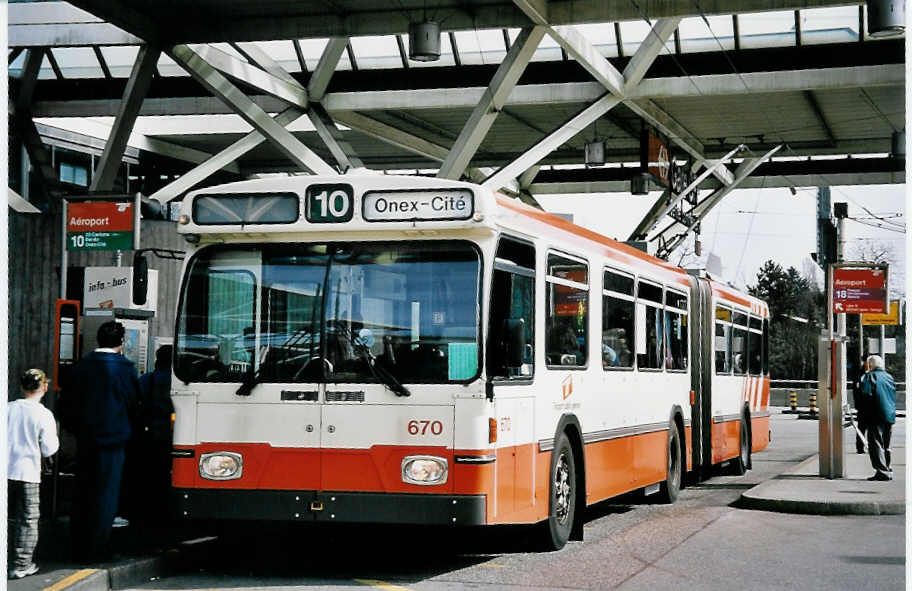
<point x="650" y="326"/>
<point x="723" y="340"/>
<point x="766" y="366"/>
<point x="739" y="343"/>
<point x="617" y="320"/>
<point x="512" y="298"/>
<point x="567" y="321"/>
<point x="676" y="352"/>
<point x="755" y="347"/>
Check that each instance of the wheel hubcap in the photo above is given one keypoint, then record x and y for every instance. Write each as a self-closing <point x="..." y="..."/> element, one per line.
<point x="743" y="446"/>
<point x="562" y="490"/>
<point x="673" y="462"/>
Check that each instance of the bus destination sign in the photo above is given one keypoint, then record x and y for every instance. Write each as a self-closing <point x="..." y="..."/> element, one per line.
<point x="99" y="225"/>
<point x="857" y="291"/>
<point x="419" y="205"/>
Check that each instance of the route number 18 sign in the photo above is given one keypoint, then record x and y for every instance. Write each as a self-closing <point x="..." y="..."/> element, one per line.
<point x="860" y="290"/>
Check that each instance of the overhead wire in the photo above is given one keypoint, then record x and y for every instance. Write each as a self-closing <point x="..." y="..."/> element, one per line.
<point x="785" y="144"/>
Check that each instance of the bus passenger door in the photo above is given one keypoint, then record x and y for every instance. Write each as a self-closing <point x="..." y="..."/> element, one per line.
<point x="510" y="367"/>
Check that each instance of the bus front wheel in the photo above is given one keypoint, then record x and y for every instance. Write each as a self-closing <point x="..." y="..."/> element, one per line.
<point x="562" y="498"/>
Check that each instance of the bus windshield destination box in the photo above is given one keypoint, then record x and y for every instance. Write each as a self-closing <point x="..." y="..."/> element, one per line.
<point x="444" y="204"/>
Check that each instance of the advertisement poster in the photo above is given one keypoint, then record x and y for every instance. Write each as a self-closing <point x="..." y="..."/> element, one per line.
<point x="136" y="342"/>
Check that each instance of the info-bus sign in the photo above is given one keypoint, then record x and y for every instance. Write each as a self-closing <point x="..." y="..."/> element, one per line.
<point x="860" y="290"/>
<point x="99" y="225"/>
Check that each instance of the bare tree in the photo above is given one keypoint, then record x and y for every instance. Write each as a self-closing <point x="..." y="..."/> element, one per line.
<point x="879" y="251"/>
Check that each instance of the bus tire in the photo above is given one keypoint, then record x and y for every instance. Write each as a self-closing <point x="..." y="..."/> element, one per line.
<point x="671" y="486"/>
<point x="561" y="496"/>
<point x="741" y="463"/>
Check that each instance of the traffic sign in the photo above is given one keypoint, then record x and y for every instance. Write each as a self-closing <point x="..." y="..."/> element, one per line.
<point x="99" y="225"/>
<point x="860" y="289"/>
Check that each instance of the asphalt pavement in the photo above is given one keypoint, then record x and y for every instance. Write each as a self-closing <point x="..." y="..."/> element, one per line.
<point x="147" y="553"/>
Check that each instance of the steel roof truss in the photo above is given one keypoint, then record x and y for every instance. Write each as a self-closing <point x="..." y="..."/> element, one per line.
<point x="289" y="91"/>
<point x="222" y="88"/>
<point x="492" y="102"/>
<point x="218" y="161"/>
<point x="332" y="136"/>
<point x="319" y="79"/>
<point x="134" y="93"/>
<point x="256" y="55"/>
<point x="547" y="145"/>
<point x="648" y="51"/>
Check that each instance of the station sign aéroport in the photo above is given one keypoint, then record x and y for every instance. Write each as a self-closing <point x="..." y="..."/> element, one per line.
<point x="860" y="290"/>
<point x="99" y="225"/>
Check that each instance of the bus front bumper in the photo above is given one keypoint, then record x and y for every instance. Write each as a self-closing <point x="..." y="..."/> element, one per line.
<point x="326" y="507"/>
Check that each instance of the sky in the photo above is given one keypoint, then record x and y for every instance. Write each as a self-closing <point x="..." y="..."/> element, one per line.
<point x="751" y="226"/>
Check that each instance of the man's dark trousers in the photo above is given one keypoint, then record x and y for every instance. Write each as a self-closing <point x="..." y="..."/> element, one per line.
<point x="97" y="495"/>
<point x="879" y="449"/>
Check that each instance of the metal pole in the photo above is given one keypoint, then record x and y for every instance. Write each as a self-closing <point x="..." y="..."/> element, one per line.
<point x="840" y="257"/>
<point x="63" y="249"/>
<point x="880" y="342"/>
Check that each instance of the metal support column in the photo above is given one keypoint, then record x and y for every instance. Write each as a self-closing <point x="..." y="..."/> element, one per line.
<point x="137" y="87"/>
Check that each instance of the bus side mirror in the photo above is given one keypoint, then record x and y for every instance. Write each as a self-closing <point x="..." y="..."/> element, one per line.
<point x="140" y="279"/>
<point x="514" y="339"/>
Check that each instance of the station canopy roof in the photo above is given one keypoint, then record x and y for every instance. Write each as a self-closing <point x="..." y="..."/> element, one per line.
<point x="726" y="76"/>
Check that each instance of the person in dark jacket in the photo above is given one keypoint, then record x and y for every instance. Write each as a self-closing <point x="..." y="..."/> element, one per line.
<point x="879" y="395"/>
<point x="100" y="398"/>
<point x="154" y="438"/>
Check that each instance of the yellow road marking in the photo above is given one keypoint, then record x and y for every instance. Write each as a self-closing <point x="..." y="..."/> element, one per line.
<point x="382" y="585"/>
<point x="67" y="581"/>
<point x="493" y="565"/>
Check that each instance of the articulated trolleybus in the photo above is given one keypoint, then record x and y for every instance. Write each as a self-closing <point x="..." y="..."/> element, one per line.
<point x="380" y="349"/>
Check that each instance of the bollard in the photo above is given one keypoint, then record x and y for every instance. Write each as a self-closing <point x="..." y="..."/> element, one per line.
<point x="812" y="403"/>
<point x="793" y="400"/>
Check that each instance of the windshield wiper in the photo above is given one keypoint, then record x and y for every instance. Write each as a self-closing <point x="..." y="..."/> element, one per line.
<point x="252" y="378"/>
<point x="378" y="371"/>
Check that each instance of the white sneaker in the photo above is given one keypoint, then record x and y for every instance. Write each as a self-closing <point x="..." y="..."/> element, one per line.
<point x="120" y="522"/>
<point x="23" y="572"/>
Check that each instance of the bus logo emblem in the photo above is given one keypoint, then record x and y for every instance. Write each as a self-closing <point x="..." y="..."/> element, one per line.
<point x="567" y="387"/>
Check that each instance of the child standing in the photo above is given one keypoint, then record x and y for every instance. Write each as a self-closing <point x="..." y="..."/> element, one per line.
<point x="32" y="433"/>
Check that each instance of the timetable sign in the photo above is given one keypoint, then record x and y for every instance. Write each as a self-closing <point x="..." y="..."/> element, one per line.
<point x="99" y="225"/>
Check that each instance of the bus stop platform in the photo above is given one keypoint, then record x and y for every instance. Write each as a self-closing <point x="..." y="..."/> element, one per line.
<point x="801" y="489"/>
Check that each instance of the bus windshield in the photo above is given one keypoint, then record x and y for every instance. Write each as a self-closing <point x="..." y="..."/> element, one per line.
<point x="326" y="312"/>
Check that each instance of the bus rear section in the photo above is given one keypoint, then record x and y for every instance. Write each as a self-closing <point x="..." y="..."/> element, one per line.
<point x="322" y="381"/>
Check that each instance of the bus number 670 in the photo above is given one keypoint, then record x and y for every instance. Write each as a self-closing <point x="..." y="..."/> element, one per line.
<point x="421" y="427"/>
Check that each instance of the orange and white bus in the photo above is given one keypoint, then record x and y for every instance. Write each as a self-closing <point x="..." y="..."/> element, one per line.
<point x="381" y="349"/>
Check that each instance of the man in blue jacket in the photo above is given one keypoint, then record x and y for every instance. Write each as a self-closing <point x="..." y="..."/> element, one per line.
<point x="879" y="395"/>
<point x="100" y="398"/>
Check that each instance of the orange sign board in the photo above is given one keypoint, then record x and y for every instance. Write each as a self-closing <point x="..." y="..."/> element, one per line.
<point x="890" y="318"/>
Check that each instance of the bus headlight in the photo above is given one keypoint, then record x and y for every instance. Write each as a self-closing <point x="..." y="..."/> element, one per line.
<point x="426" y="470"/>
<point x="221" y="465"/>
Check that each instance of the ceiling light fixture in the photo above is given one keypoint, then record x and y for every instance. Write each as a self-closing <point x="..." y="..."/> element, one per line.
<point x="424" y="41"/>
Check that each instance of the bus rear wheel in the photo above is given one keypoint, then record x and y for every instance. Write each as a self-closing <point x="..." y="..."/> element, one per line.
<point x="671" y="486"/>
<point x="562" y="496"/>
<point x="741" y="463"/>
